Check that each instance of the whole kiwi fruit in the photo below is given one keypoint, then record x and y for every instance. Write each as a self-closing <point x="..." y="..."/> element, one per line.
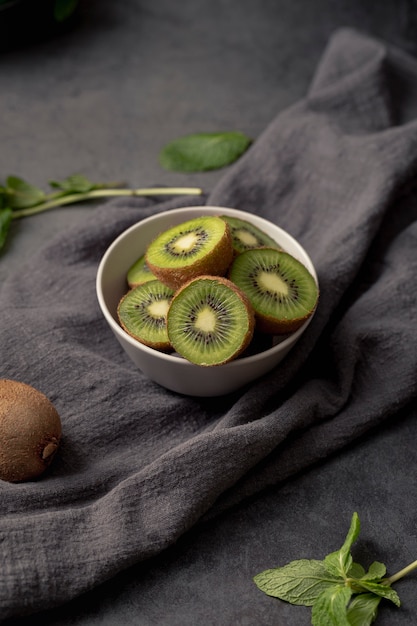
<point x="30" y="431"/>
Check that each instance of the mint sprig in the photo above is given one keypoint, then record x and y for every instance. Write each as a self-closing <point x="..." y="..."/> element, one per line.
<point x="340" y="591"/>
<point x="193" y="153"/>
<point x="19" y="199"/>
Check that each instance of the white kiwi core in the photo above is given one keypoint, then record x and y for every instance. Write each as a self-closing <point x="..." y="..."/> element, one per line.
<point x="272" y="282"/>
<point x="247" y="238"/>
<point x="159" y="308"/>
<point x="186" y="242"/>
<point x="206" y="320"/>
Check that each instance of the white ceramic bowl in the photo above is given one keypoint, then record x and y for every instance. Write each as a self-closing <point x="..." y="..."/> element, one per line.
<point x="171" y="371"/>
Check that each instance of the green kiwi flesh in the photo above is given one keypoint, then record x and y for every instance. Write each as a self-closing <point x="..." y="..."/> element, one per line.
<point x="246" y="236"/>
<point x="142" y="313"/>
<point x="202" y="245"/>
<point x="281" y="290"/>
<point x="210" y="321"/>
<point x="139" y="273"/>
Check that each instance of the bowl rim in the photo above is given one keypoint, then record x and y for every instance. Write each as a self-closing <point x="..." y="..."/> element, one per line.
<point x="173" y="358"/>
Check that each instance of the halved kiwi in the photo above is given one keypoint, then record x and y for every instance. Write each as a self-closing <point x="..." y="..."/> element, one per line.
<point x="139" y="273"/>
<point x="282" y="291"/>
<point x="142" y="313"/>
<point x="210" y="321"/>
<point x="246" y="236"/>
<point x="199" y="246"/>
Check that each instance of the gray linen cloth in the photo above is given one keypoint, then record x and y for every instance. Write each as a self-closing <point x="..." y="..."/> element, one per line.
<point x="140" y="465"/>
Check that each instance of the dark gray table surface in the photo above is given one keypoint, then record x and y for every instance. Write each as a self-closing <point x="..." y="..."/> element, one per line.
<point x="102" y="98"/>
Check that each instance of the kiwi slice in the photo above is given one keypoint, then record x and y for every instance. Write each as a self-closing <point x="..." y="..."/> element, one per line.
<point x="246" y="236"/>
<point x="139" y="273"/>
<point x="282" y="291"/>
<point x="210" y="321"/>
<point x="142" y="313"/>
<point x="199" y="246"/>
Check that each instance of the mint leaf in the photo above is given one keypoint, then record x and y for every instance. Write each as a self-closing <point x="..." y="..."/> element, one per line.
<point x="203" y="151"/>
<point x="380" y="589"/>
<point x="363" y="609"/>
<point x="21" y="194"/>
<point x="330" y="608"/>
<point x="77" y="183"/>
<point x="356" y="571"/>
<point x="376" y="571"/>
<point x="5" y="220"/>
<point x="299" y="582"/>
<point x="339" y="563"/>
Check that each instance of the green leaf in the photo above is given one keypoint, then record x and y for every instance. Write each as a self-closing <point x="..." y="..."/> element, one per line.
<point x="356" y="571"/>
<point x="3" y="198"/>
<point x="204" y="151"/>
<point x="380" y="589"/>
<point x="299" y="582"/>
<point x="363" y="609"/>
<point x="21" y="194"/>
<point x="63" y="9"/>
<point x="376" y="571"/>
<point x="77" y="183"/>
<point x="5" y="220"/>
<point x="339" y="563"/>
<point x="330" y="608"/>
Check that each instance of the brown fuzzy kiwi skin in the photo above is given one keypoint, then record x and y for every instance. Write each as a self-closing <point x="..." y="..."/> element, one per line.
<point x="157" y="345"/>
<point x="216" y="263"/>
<point x="247" y="338"/>
<point x="274" y="326"/>
<point x="30" y="431"/>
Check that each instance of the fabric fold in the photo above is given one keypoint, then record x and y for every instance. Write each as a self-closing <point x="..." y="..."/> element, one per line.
<point x="350" y="82"/>
<point x="140" y="465"/>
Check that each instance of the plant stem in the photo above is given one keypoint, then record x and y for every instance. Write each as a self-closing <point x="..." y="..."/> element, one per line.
<point x="103" y="193"/>
<point x="401" y="573"/>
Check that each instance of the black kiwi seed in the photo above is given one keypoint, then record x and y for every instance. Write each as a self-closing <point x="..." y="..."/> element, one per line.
<point x="199" y="246"/>
<point x="246" y="236"/>
<point x="210" y="321"/>
<point x="281" y="290"/>
<point x="142" y="313"/>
